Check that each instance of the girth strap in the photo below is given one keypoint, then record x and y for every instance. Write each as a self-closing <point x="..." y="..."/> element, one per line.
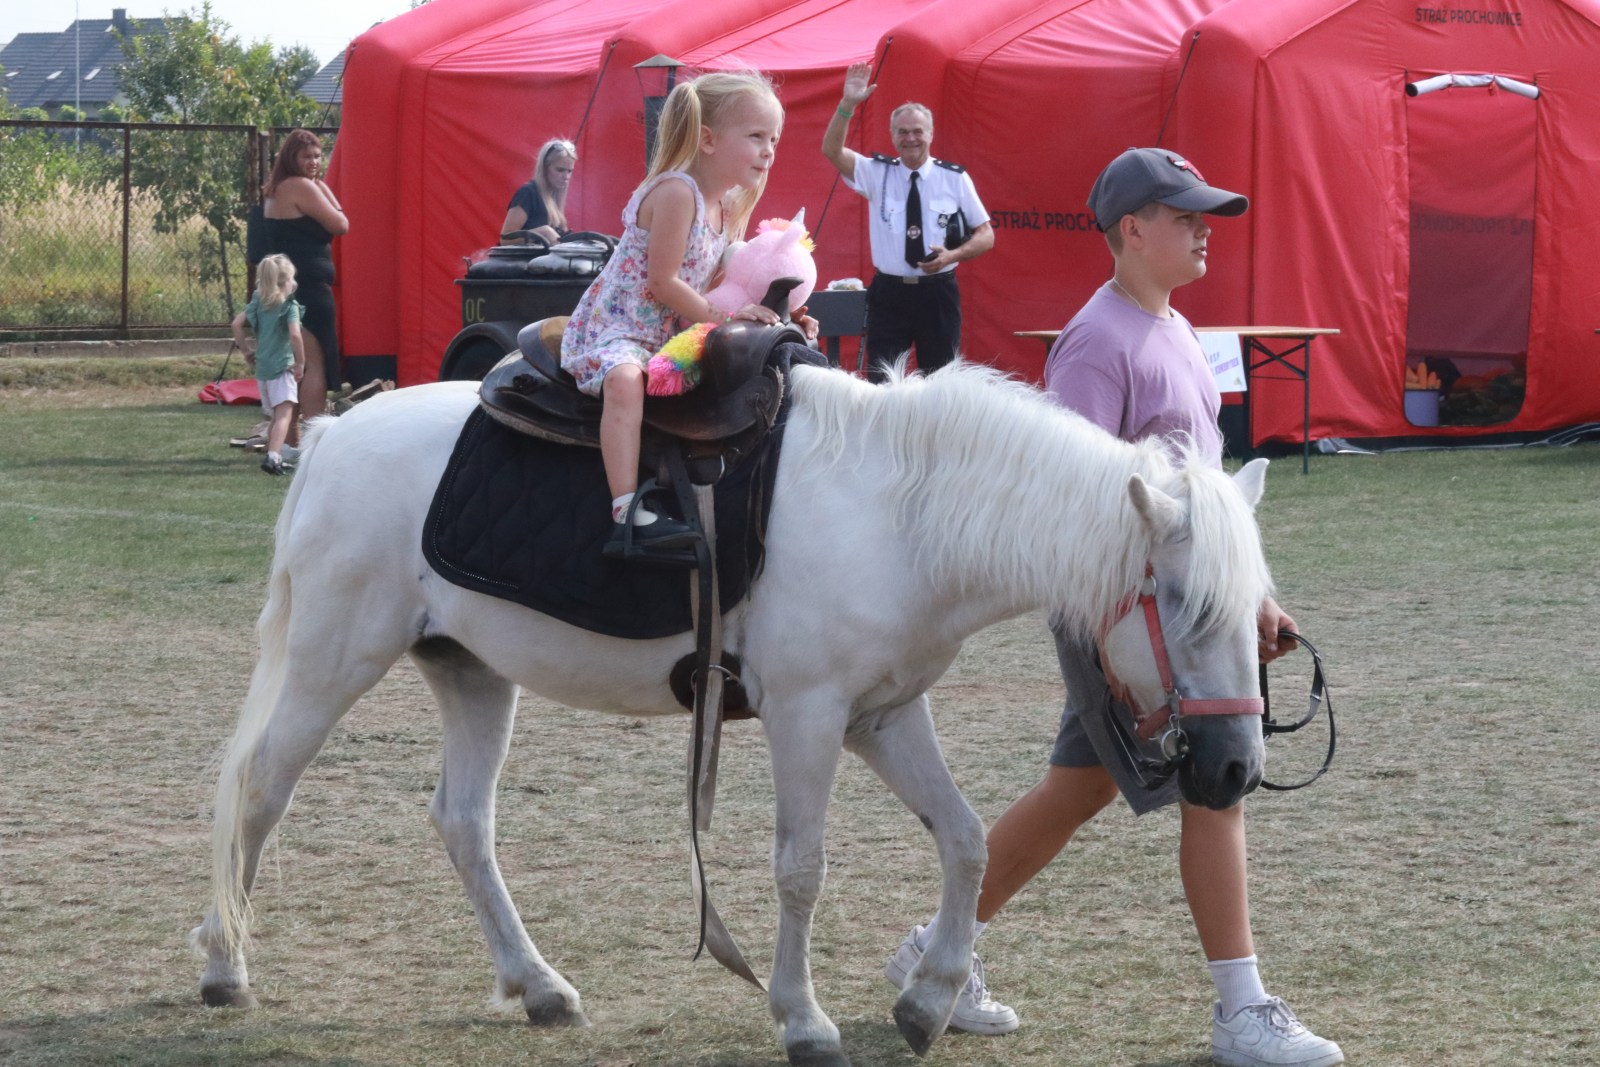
<point x="705" y="738"/>
<point x="708" y="675"/>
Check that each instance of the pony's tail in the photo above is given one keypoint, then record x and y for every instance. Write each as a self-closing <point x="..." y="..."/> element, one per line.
<point x="231" y="913"/>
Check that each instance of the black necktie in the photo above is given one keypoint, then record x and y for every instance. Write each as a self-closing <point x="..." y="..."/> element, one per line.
<point x="915" y="251"/>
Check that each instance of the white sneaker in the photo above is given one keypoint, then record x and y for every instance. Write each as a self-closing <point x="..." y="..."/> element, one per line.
<point x="1268" y="1035"/>
<point x="976" y="1012"/>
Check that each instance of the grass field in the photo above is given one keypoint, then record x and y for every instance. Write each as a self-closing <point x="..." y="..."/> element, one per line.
<point x="1432" y="901"/>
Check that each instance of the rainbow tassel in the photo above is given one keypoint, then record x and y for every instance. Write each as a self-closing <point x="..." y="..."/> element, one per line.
<point x="676" y="368"/>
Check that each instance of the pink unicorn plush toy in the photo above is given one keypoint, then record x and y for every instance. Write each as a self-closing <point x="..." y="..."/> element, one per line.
<point x="780" y="249"/>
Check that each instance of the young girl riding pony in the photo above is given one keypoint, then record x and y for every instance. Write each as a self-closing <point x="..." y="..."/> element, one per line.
<point x="717" y="139"/>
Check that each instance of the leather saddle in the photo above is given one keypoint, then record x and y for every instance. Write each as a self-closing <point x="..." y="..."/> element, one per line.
<point x="725" y="416"/>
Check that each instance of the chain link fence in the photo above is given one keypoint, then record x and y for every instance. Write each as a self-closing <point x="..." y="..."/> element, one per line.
<point x="112" y="229"/>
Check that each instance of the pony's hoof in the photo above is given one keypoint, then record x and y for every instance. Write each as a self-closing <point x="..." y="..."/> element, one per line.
<point x="228" y="995"/>
<point x="554" y="1012"/>
<point x="808" y="1054"/>
<point x="917" y="1027"/>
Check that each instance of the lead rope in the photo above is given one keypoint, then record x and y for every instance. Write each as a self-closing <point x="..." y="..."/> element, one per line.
<point x="705" y="738"/>
<point x="1320" y="698"/>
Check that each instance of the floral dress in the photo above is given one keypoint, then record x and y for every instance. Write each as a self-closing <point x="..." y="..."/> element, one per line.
<point x="618" y="320"/>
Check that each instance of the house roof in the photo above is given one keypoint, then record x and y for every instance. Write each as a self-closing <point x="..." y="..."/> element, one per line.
<point x="75" y="66"/>
<point x="326" y="86"/>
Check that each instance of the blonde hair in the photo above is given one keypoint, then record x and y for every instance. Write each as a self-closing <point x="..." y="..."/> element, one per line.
<point x="275" y="281"/>
<point x="705" y="101"/>
<point x="555" y="200"/>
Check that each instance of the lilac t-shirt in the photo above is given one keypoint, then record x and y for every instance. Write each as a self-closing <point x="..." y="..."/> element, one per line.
<point x="1135" y="375"/>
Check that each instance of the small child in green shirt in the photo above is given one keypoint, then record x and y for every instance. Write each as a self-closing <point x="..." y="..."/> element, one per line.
<point x="278" y="355"/>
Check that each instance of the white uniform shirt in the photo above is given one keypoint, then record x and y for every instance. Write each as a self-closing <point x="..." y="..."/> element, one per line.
<point x="944" y="189"/>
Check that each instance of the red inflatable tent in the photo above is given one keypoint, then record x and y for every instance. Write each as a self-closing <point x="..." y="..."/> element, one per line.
<point x="1440" y="229"/>
<point x="1451" y="227"/>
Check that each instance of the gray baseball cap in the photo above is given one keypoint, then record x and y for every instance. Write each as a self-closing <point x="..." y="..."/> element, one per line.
<point x="1142" y="176"/>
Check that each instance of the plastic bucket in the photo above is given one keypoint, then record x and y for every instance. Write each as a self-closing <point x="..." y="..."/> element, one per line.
<point x="1422" y="407"/>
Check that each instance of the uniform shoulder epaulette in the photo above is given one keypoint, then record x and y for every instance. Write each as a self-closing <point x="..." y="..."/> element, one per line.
<point x="958" y="168"/>
<point x="881" y="158"/>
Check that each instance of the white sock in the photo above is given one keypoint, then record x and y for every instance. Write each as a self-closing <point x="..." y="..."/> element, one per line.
<point x="274" y="457"/>
<point x="1238" y="984"/>
<point x="619" y="510"/>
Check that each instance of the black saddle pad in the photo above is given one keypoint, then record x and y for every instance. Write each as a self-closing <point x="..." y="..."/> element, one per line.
<point x="524" y="519"/>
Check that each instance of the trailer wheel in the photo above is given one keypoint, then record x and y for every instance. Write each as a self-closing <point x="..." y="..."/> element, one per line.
<point x="474" y="351"/>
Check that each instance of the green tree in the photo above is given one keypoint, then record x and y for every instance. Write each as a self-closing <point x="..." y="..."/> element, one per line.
<point x="35" y="161"/>
<point x="198" y="72"/>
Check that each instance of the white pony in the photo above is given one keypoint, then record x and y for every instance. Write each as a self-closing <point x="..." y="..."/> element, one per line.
<point x="906" y="517"/>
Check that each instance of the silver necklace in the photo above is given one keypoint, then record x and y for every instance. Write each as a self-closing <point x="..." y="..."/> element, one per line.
<point x="1127" y="294"/>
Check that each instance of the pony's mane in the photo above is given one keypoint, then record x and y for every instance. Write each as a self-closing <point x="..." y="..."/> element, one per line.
<point x="990" y="481"/>
<point x="1228" y="575"/>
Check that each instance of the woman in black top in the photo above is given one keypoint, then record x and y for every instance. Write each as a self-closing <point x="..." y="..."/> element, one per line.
<point x="302" y="219"/>
<point x="540" y="205"/>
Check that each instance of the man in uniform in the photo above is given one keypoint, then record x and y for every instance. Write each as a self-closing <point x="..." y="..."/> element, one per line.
<point x="925" y="218"/>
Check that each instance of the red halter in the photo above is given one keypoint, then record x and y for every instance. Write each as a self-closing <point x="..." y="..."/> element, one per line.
<point x="1177" y="705"/>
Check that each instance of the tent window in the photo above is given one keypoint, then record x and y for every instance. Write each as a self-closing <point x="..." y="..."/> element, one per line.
<point x="1471" y="157"/>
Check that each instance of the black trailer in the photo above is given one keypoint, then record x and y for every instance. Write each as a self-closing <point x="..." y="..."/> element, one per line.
<point x="512" y="286"/>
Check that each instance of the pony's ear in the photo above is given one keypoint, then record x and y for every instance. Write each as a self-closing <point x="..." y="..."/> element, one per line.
<point x="1162" y="515"/>
<point x="1252" y="481"/>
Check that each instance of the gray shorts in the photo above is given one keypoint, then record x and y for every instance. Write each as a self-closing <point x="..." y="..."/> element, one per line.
<point x="1087" y="737"/>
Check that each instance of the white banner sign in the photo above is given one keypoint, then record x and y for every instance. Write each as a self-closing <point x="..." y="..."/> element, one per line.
<point x="1225" y="354"/>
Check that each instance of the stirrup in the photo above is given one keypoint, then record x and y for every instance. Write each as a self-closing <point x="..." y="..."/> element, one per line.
<point x="628" y="550"/>
<point x="681" y="552"/>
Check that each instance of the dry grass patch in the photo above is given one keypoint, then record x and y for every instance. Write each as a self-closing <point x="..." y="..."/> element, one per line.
<point x="61" y="262"/>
